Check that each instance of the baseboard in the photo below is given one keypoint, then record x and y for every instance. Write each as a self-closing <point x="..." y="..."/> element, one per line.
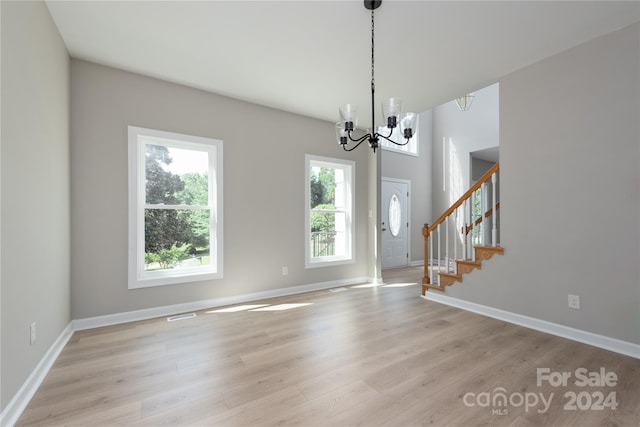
<point x="374" y="280"/>
<point x="20" y="400"/>
<point x="418" y="263"/>
<point x="169" y="310"/>
<point x="601" y="341"/>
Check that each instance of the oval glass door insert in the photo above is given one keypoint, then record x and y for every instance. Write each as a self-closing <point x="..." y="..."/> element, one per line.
<point x="395" y="215"/>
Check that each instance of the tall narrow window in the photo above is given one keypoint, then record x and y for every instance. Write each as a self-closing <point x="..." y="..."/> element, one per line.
<point x="329" y="203"/>
<point x="175" y="208"/>
<point x="476" y="214"/>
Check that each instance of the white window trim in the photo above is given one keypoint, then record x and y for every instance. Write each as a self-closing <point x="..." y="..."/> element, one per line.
<point x="138" y="278"/>
<point x="350" y="178"/>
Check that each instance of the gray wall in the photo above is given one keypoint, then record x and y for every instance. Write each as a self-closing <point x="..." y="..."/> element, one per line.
<point x="263" y="189"/>
<point x="465" y="132"/>
<point x="418" y="171"/>
<point x="35" y="189"/>
<point x="478" y="168"/>
<point x="570" y="196"/>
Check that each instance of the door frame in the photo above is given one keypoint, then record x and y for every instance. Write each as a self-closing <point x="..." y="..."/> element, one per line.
<point x="402" y="181"/>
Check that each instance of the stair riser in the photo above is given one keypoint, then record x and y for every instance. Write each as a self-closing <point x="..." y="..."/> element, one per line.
<point x="464" y="267"/>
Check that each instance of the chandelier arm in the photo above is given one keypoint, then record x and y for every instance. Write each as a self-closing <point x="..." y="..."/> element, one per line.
<point x="390" y="133"/>
<point x="344" y="146"/>
<point x="391" y="140"/>
<point x="358" y="140"/>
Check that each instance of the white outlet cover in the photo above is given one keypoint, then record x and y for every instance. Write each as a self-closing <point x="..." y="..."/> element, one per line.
<point x="574" y="301"/>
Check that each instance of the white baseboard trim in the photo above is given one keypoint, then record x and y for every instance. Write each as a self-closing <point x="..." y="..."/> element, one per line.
<point x="611" y="344"/>
<point x="20" y="400"/>
<point x="418" y="263"/>
<point x="169" y="310"/>
<point x="374" y="281"/>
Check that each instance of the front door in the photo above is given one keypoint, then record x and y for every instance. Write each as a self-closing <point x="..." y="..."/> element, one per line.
<point x="395" y="223"/>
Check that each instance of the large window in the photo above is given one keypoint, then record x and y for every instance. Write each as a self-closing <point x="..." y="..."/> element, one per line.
<point x="175" y="208"/>
<point x="329" y="204"/>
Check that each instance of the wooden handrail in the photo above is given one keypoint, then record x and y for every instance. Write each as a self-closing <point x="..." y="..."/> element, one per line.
<point x="464" y="197"/>
<point x="478" y="220"/>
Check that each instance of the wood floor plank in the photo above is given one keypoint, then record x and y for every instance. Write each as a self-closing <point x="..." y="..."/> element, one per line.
<point x="369" y="356"/>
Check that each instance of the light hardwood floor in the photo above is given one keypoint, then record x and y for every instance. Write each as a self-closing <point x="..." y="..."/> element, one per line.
<point x="364" y="356"/>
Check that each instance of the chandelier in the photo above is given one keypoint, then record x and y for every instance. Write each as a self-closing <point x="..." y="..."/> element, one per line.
<point x="464" y="102"/>
<point x="391" y="111"/>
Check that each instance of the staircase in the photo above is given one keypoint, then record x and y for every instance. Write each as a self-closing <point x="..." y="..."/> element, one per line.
<point x="471" y="223"/>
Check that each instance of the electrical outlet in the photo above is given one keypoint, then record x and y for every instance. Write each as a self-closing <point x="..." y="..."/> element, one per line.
<point x="32" y="334"/>
<point x="285" y="270"/>
<point x="574" y="302"/>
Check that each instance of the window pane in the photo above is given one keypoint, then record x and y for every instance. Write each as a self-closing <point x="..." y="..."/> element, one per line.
<point x="176" y="238"/>
<point x="323" y="187"/>
<point x="322" y="243"/>
<point x="176" y="176"/>
<point x="328" y="234"/>
<point x="395" y="215"/>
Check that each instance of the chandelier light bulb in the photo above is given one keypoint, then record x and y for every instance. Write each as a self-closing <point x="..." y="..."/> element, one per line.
<point x="408" y="124"/>
<point x="341" y="134"/>
<point x="349" y="116"/>
<point x="391" y="111"/>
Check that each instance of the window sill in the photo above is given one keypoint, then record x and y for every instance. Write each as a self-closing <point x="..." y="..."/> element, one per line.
<point x="165" y="280"/>
<point x="329" y="262"/>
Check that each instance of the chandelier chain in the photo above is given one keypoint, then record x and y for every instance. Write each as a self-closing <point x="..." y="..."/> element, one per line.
<point x="373" y="84"/>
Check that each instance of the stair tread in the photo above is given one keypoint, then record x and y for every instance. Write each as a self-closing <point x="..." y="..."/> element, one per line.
<point x="490" y="248"/>
<point x="457" y="276"/>
<point x="468" y="261"/>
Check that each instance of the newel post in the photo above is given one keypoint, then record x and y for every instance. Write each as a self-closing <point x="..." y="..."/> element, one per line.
<point x="425" y="279"/>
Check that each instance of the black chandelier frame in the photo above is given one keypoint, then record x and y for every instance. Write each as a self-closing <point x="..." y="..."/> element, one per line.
<point x="345" y="133"/>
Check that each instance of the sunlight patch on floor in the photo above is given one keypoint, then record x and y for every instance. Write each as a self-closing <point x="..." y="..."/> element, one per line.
<point x="281" y="307"/>
<point x="238" y="308"/>
<point x="367" y="285"/>
<point x="399" y="285"/>
<point x="258" y="307"/>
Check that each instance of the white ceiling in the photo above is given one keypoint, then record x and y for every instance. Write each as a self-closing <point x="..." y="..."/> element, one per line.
<point x="308" y="57"/>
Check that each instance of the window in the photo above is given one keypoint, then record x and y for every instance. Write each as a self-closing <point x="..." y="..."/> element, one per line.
<point x="329" y="204"/>
<point x="175" y="208"/>
<point x="395" y="215"/>
<point x="411" y="148"/>
<point x="477" y="213"/>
